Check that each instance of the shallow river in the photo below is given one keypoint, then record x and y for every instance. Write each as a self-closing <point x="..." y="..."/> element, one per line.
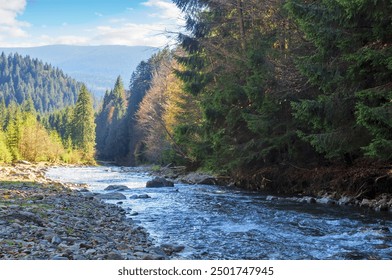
<point x="224" y="223"/>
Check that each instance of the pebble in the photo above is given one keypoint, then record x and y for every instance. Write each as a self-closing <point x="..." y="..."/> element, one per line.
<point x="56" y="240"/>
<point x="62" y="223"/>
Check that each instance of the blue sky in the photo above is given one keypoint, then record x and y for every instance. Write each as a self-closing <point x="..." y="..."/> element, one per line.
<point x="26" y="23"/>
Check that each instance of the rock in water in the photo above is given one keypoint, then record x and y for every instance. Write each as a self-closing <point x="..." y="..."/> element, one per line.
<point x="159" y="182"/>
<point x="142" y="196"/>
<point x="112" y="196"/>
<point x="199" y="179"/>
<point x="118" y="188"/>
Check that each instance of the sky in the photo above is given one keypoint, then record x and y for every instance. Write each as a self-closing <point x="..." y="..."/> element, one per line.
<point x="29" y="23"/>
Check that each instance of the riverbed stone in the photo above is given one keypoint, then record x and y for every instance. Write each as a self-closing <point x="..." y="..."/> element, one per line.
<point x="56" y="240"/>
<point x="308" y="199"/>
<point x="114" y="256"/>
<point x="365" y="203"/>
<point x="112" y="196"/>
<point x="118" y="188"/>
<point x="326" y="200"/>
<point x="159" y="182"/>
<point x="60" y="258"/>
<point x="141" y="196"/>
<point x="195" y="178"/>
<point x="169" y="249"/>
<point x="345" y="200"/>
<point x="48" y="220"/>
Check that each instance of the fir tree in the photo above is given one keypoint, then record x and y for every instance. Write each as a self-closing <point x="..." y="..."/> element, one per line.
<point x="83" y="126"/>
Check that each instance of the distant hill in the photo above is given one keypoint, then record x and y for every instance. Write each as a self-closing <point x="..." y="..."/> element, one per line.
<point x="96" y="66"/>
<point x="30" y="81"/>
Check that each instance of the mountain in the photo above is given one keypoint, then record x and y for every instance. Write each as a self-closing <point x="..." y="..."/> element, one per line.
<point x="96" y="66"/>
<point x="31" y="82"/>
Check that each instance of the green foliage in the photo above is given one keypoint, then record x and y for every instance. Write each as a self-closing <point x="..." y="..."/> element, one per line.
<point x="374" y="111"/>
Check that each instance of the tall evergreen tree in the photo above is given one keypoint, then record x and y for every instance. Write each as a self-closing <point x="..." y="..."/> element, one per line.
<point x="111" y="129"/>
<point x="83" y="126"/>
<point x="349" y="61"/>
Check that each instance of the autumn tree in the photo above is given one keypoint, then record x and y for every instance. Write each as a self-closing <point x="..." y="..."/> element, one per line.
<point x="164" y="108"/>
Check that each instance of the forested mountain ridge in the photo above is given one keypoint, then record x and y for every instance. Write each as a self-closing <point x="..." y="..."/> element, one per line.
<point x="44" y="114"/>
<point x="24" y="78"/>
<point x="96" y="66"/>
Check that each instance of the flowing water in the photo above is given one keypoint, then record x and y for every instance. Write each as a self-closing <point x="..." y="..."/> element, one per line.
<point x="224" y="223"/>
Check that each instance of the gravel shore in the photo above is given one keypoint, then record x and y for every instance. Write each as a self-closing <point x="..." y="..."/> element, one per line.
<point x="41" y="219"/>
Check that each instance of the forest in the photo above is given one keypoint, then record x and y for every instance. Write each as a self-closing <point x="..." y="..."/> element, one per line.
<point x="258" y="83"/>
<point x="33" y="98"/>
<point x="250" y="85"/>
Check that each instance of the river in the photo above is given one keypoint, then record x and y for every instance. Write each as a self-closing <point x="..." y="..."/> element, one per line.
<point x="215" y="222"/>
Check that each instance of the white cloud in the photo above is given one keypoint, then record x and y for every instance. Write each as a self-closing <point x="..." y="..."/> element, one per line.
<point x="120" y="31"/>
<point x="140" y="29"/>
<point x="165" y="10"/>
<point x="10" y="27"/>
<point x="130" y="34"/>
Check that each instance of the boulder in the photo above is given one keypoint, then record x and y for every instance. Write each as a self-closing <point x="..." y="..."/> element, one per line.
<point x="326" y="200"/>
<point x="271" y="198"/>
<point x="365" y="203"/>
<point x="308" y="199"/>
<point x="169" y="249"/>
<point x="159" y="182"/>
<point x="117" y="188"/>
<point x="114" y="256"/>
<point x="112" y="196"/>
<point x="345" y="200"/>
<point x="141" y="196"/>
<point x="199" y="179"/>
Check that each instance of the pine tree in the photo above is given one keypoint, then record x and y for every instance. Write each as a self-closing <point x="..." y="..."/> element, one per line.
<point x="83" y="126"/>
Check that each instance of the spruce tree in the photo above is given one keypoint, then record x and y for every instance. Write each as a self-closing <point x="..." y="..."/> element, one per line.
<point x="83" y="126"/>
<point x="348" y="62"/>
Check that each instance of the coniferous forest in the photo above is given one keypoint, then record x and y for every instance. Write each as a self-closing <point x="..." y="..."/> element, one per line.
<point x="44" y="114"/>
<point x="251" y="85"/>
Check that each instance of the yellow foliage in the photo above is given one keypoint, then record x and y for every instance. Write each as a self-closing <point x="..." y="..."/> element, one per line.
<point x="36" y="144"/>
<point x="5" y="154"/>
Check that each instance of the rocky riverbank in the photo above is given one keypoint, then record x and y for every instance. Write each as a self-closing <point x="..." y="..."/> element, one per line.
<point x="45" y="220"/>
<point x="363" y="185"/>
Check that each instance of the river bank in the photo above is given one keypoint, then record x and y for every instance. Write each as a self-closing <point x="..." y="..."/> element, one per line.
<point x="48" y="220"/>
<point x="364" y="184"/>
